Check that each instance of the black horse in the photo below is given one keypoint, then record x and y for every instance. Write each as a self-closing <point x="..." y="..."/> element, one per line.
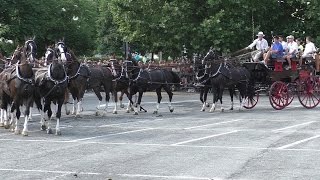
<point x="202" y="79"/>
<point x="79" y="75"/>
<point x="147" y="80"/>
<point x="17" y="89"/>
<point x="51" y="85"/>
<point x="225" y="75"/>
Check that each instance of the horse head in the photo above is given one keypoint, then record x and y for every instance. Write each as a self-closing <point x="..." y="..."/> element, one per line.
<point x="210" y="56"/>
<point x="61" y="51"/>
<point x="31" y="49"/>
<point x="49" y="55"/>
<point x="17" y="55"/>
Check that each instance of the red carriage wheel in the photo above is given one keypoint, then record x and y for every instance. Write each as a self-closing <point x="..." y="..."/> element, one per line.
<point x="278" y="95"/>
<point x="291" y="92"/>
<point x="309" y="92"/>
<point x="251" y="102"/>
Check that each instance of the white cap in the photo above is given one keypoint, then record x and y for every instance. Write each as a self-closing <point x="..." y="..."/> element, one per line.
<point x="290" y="37"/>
<point x="260" y="34"/>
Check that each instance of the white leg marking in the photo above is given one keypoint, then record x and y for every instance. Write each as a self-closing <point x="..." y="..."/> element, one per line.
<point x="79" y="107"/>
<point x="213" y="107"/>
<point x="73" y="107"/>
<point x="58" y="131"/>
<point x="25" y="126"/>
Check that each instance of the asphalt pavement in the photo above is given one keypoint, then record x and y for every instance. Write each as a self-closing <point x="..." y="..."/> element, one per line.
<point x="261" y="143"/>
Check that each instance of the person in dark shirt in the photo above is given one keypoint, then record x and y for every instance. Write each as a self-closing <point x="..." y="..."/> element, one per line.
<point x="276" y="50"/>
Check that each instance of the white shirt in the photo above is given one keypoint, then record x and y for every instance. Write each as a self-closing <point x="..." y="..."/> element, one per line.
<point x="293" y="47"/>
<point x="309" y="49"/>
<point x="260" y="44"/>
<point x="284" y="45"/>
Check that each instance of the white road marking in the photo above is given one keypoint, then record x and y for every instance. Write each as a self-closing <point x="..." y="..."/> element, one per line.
<point x="218" y="123"/>
<point x="37" y="140"/>
<point x="116" y="124"/>
<point x="48" y="171"/>
<point x="206" y="137"/>
<point x="297" y="125"/>
<point x="107" y="135"/>
<point x="166" y="177"/>
<point x="298" y="142"/>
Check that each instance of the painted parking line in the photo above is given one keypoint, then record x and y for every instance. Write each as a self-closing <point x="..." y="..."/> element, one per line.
<point x="48" y="171"/>
<point x="218" y="123"/>
<point x="297" y="125"/>
<point x="165" y="177"/>
<point x="107" y="135"/>
<point x="206" y="137"/>
<point x="298" y="142"/>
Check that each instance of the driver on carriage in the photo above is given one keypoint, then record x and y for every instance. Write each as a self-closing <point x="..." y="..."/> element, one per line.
<point x="261" y="45"/>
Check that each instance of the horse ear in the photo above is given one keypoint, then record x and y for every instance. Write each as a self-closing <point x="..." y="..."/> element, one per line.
<point x="63" y="39"/>
<point x="34" y="37"/>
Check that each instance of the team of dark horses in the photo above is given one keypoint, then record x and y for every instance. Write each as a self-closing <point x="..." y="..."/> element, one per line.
<point x="22" y="85"/>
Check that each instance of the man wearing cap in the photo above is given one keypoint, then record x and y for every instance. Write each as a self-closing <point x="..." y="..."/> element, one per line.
<point x="261" y="45"/>
<point x="276" y="50"/>
<point x="309" y="50"/>
<point x="293" y="49"/>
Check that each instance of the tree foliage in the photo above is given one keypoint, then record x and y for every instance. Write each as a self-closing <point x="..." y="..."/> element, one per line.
<point x="156" y="25"/>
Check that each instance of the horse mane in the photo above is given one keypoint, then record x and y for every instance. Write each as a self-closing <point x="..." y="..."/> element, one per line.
<point x="73" y="56"/>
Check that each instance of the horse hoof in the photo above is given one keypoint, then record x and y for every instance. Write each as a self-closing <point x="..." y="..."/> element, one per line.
<point x="49" y="131"/>
<point x="231" y="108"/>
<point x="115" y="112"/>
<point x="43" y="127"/>
<point x="68" y="112"/>
<point x="135" y="113"/>
<point x="155" y="112"/>
<point x="127" y="111"/>
<point x="202" y="110"/>
<point x="171" y="110"/>
<point x="73" y="113"/>
<point x="17" y="131"/>
<point x="121" y="105"/>
<point x="207" y="105"/>
<point x="24" y="133"/>
<point x="58" y="133"/>
<point x="1" y="124"/>
<point x="222" y="110"/>
<point x="30" y="119"/>
<point x="97" y="113"/>
<point x="131" y="109"/>
<point x="7" y="126"/>
<point x="81" y="109"/>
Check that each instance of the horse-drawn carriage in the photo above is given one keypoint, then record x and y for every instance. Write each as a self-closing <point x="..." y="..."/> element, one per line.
<point x="283" y="85"/>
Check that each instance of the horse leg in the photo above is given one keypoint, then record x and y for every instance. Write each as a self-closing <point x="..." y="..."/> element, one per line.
<point x="231" y="92"/>
<point x="79" y="106"/>
<point x="17" y="117"/>
<point x="206" y="96"/>
<point x="121" y="98"/>
<point x="26" y="118"/>
<point x="130" y="103"/>
<point x="158" y="91"/>
<point x="202" y="100"/>
<point x="107" y="91"/>
<point x="30" y="115"/>
<point x="170" y="94"/>
<point x="2" y="118"/>
<point x="73" y="107"/>
<point x="139" y="101"/>
<point x="215" y="98"/>
<point x="58" y="115"/>
<point x="96" y="90"/>
<point x="47" y="109"/>
<point x="115" y="94"/>
<point x="220" y="97"/>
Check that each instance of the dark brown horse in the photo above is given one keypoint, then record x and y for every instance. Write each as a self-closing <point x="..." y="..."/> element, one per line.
<point x="18" y="89"/>
<point x="79" y="75"/>
<point x="101" y="77"/>
<point x="51" y="85"/>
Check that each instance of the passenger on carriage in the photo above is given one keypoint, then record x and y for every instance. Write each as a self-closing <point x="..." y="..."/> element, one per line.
<point x="292" y="50"/>
<point x="275" y="52"/>
<point x="284" y="44"/>
<point x="261" y="45"/>
<point x="310" y="48"/>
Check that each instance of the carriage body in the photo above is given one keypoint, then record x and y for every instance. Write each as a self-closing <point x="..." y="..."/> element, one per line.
<point x="283" y="85"/>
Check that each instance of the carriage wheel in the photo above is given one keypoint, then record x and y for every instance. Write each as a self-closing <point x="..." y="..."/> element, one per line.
<point x="291" y="92"/>
<point x="278" y="95"/>
<point x="309" y="92"/>
<point x="251" y="102"/>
